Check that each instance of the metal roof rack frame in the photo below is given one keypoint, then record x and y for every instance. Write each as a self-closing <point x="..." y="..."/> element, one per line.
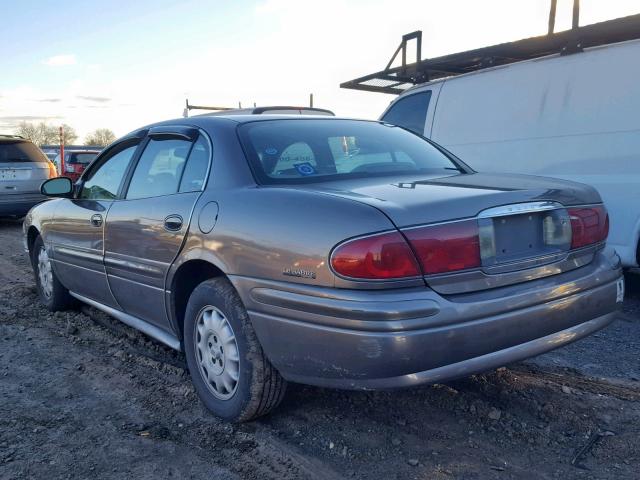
<point x="395" y="80"/>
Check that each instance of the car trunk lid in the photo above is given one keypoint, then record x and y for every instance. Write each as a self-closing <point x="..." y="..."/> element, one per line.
<point x="523" y="222"/>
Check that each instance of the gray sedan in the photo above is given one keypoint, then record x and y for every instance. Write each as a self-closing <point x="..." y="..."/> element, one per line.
<point x="326" y="251"/>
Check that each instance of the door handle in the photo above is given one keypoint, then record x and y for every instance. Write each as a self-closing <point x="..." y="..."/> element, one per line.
<point x="173" y="223"/>
<point x="96" y="220"/>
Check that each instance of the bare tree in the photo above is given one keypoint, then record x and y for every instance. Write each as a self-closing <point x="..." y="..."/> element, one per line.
<point x="70" y="135"/>
<point x="39" y="133"/>
<point x="101" y="136"/>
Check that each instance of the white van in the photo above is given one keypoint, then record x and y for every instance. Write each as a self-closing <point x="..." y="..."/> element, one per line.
<point x="575" y="117"/>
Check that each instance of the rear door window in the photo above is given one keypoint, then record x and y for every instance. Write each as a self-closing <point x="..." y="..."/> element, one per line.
<point x="410" y="112"/>
<point x="195" y="172"/>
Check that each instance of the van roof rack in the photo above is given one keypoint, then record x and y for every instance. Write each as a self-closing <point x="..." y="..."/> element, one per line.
<point x="396" y="80"/>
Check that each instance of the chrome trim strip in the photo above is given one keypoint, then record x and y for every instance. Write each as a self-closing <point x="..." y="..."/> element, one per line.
<point x="74" y="252"/>
<point x="136" y="267"/>
<point x="519" y="208"/>
<point x="134" y="322"/>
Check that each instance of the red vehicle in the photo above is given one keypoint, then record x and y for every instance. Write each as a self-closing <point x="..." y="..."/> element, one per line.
<point x="75" y="161"/>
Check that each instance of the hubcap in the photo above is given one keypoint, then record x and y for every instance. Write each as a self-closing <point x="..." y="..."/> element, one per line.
<point x="45" y="274"/>
<point x="217" y="352"/>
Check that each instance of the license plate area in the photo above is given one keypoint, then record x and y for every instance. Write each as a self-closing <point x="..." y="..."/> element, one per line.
<point x="13" y="174"/>
<point x="524" y="240"/>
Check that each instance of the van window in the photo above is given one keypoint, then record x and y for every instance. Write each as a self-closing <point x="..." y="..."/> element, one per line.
<point x="410" y="112"/>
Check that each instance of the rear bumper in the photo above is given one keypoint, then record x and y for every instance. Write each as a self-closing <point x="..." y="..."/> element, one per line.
<point x="19" y="203"/>
<point x="404" y="337"/>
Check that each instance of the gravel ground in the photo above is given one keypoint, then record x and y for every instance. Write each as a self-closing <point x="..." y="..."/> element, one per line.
<point x="84" y="396"/>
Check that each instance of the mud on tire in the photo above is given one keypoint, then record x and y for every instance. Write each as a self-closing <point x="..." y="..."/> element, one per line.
<point x="52" y="293"/>
<point x="213" y="316"/>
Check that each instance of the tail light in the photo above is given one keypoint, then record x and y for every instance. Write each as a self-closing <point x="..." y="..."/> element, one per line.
<point x="447" y="247"/>
<point x="589" y="225"/>
<point x="377" y="257"/>
<point x="53" y="171"/>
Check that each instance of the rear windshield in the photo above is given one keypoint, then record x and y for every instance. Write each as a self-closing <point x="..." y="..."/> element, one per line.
<point x="84" y="158"/>
<point x="305" y="151"/>
<point x="20" y="152"/>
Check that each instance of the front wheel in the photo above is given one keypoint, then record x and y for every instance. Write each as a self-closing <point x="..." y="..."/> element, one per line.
<point x="229" y="370"/>
<point x="51" y="292"/>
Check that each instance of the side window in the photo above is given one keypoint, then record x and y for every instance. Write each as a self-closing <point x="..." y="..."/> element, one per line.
<point x="195" y="171"/>
<point x="410" y="112"/>
<point x="104" y="182"/>
<point x="159" y="169"/>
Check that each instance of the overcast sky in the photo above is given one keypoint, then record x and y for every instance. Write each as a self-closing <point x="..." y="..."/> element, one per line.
<point x="122" y="64"/>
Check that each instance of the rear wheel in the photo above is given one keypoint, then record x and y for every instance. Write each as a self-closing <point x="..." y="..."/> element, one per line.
<point x="51" y="292"/>
<point x="229" y="370"/>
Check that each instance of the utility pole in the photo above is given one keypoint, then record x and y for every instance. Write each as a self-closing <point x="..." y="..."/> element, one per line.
<point x="61" y="172"/>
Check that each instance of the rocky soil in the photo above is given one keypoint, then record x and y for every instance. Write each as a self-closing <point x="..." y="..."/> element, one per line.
<point x="84" y="396"/>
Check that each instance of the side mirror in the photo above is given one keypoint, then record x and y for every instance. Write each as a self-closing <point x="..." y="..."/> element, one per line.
<point x="57" y="187"/>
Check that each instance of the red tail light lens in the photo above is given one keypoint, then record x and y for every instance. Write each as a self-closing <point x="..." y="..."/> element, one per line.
<point x="447" y="247"/>
<point x="589" y="225"/>
<point x="378" y="257"/>
<point x="53" y="172"/>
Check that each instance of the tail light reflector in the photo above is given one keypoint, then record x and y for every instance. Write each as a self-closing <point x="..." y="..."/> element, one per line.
<point x="447" y="247"/>
<point x="589" y="225"/>
<point x="377" y="257"/>
<point x="53" y="171"/>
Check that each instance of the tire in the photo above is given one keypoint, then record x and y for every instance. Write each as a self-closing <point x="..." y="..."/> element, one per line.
<point x="237" y="384"/>
<point x="51" y="292"/>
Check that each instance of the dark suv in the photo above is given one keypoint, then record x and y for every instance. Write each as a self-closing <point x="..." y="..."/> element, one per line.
<point x="23" y="168"/>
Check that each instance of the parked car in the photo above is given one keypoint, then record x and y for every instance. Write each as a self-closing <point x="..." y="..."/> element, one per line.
<point x="333" y="252"/>
<point x="75" y="161"/>
<point x="568" y="116"/>
<point x="51" y="154"/>
<point x="23" y="168"/>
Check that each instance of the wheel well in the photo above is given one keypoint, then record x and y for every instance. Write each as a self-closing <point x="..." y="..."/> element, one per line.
<point x="32" y="234"/>
<point x="187" y="278"/>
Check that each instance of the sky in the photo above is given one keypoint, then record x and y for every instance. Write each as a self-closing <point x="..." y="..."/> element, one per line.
<point x="123" y="64"/>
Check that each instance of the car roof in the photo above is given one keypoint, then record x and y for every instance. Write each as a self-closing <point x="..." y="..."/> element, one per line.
<point x="212" y="121"/>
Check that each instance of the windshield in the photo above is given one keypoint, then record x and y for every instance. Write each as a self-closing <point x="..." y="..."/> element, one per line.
<point x="20" y="152"/>
<point x="84" y="158"/>
<point x="305" y="151"/>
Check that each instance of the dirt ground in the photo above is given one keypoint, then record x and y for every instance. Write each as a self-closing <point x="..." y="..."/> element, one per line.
<point x="84" y="396"/>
